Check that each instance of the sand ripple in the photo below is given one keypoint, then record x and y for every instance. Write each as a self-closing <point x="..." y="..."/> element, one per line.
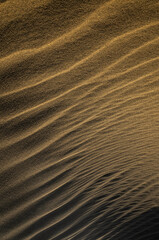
<point x="79" y="126"/>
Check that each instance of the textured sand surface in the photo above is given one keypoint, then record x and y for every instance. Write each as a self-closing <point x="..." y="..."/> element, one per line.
<point x="79" y="125"/>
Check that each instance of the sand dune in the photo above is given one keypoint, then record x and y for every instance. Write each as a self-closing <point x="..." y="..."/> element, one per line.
<point x="79" y="103"/>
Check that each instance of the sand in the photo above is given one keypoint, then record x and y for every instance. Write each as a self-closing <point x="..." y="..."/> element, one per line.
<point x="79" y="126"/>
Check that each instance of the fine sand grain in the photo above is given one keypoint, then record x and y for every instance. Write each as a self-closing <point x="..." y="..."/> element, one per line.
<point x="79" y="125"/>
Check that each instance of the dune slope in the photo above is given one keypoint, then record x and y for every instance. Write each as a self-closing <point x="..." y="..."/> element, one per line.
<point x="79" y="126"/>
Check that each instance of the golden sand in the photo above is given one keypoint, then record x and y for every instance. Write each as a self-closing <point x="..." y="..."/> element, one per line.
<point x="79" y="126"/>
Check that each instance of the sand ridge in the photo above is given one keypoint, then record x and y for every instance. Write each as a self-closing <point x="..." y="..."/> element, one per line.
<point x="79" y="106"/>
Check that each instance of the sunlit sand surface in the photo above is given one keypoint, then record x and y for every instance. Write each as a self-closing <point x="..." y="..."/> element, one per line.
<point x="79" y="126"/>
